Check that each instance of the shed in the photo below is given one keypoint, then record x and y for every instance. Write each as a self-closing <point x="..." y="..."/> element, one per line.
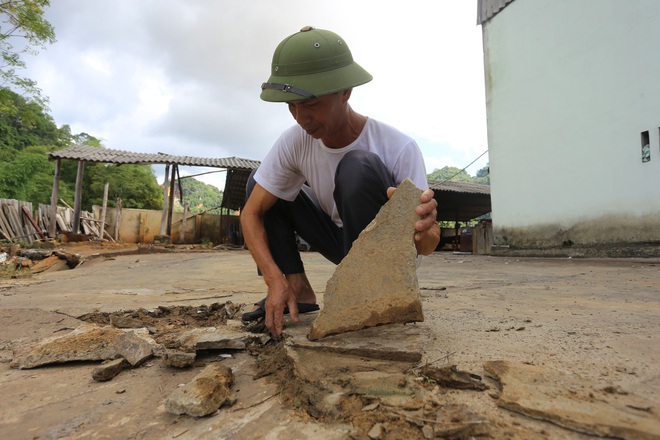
<point x="238" y="171"/>
<point x="457" y="201"/>
<point x="460" y="201"/>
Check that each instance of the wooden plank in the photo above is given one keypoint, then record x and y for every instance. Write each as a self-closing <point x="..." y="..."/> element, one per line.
<point x="11" y="211"/>
<point x="5" y="227"/>
<point x="23" y="209"/>
<point x="33" y="223"/>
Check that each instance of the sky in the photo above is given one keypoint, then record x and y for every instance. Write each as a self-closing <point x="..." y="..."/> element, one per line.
<point x="183" y="77"/>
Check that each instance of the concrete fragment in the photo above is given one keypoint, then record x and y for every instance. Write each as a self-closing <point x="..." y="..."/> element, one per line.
<point x="376" y="283"/>
<point x="213" y="338"/>
<point x="108" y="370"/>
<point x="376" y="432"/>
<point x="427" y="432"/>
<point x="451" y="377"/>
<point x="125" y="322"/>
<point x="49" y="264"/>
<point x="396" y="342"/>
<point x="133" y="348"/>
<point x="207" y="392"/>
<point x="85" y="343"/>
<point x="572" y="402"/>
<point x="459" y="421"/>
<point x="179" y="359"/>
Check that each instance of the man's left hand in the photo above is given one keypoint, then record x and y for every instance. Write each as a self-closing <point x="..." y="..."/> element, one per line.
<point x="427" y="230"/>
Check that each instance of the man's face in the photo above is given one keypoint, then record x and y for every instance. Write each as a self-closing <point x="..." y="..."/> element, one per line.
<point x="320" y="117"/>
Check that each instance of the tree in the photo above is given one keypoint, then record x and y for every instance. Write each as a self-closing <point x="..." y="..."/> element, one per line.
<point x="136" y="185"/>
<point x="450" y="173"/>
<point x="23" y="30"/>
<point x="200" y="196"/>
<point x="454" y="174"/>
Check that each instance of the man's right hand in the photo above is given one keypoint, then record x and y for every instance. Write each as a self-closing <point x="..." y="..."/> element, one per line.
<point x="280" y="296"/>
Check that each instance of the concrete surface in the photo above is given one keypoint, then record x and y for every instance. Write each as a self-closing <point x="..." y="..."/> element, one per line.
<point x="599" y="319"/>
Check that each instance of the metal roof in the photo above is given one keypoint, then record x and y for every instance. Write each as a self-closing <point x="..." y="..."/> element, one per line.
<point x="94" y="154"/>
<point x="487" y="9"/>
<point x="457" y="201"/>
<point x="460" y="187"/>
<point x="460" y="201"/>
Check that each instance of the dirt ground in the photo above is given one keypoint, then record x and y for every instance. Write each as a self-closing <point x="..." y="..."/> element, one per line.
<point x="599" y="319"/>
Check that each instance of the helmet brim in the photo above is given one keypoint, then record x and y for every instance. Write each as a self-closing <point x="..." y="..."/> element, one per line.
<point x="317" y="84"/>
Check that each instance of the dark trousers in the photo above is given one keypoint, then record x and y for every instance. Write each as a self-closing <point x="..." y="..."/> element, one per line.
<point x="361" y="183"/>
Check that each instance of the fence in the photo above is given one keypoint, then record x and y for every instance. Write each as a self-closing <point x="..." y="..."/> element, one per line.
<point x="20" y="223"/>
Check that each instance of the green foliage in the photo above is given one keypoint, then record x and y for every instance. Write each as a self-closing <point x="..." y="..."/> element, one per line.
<point x="454" y="174"/>
<point x="136" y="185"/>
<point x="28" y="134"/>
<point x="23" y="30"/>
<point x="24" y="123"/>
<point x="200" y="196"/>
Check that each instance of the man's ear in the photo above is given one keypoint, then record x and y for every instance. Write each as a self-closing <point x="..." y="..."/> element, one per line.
<point x="345" y="94"/>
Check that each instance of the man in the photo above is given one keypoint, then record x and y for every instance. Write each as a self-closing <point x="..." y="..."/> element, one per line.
<point x="325" y="178"/>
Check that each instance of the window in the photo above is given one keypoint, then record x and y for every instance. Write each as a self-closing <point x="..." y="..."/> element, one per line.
<point x="646" y="147"/>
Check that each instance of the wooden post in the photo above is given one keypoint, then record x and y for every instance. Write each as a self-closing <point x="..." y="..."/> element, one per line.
<point x="117" y="218"/>
<point x="52" y="226"/>
<point x="142" y="226"/>
<point x="182" y="233"/>
<point x="103" y="208"/>
<point x="163" y="224"/>
<point x="171" y="201"/>
<point x="77" y="206"/>
<point x="222" y="226"/>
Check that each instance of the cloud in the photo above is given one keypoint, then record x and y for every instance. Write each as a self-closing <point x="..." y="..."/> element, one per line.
<point x="183" y="76"/>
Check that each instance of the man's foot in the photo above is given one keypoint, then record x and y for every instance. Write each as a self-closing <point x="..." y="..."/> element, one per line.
<point x="260" y="310"/>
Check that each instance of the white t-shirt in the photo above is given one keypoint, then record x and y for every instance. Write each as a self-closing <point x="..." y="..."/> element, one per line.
<point x="297" y="158"/>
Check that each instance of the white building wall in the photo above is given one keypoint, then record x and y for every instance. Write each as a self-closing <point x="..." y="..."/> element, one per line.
<point x="570" y="87"/>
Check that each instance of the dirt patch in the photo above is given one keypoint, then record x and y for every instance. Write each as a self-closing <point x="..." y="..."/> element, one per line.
<point x="164" y="323"/>
<point x="418" y="414"/>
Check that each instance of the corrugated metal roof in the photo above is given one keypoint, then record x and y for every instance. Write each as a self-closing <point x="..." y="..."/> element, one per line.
<point x="459" y="187"/>
<point x="487" y="9"/>
<point x="106" y="155"/>
<point x="460" y="201"/>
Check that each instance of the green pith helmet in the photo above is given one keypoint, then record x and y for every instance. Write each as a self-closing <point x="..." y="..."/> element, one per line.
<point x="311" y="63"/>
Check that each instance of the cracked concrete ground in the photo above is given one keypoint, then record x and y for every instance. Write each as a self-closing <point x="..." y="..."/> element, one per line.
<point x="599" y="319"/>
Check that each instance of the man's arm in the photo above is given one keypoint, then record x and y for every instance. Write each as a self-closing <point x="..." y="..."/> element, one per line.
<point x="427" y="230"/>
<point x="280" y="294"/>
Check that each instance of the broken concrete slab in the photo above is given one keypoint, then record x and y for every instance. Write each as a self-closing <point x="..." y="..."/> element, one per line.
<point x="372" y="362"/>
<point x="204" y="394"/>
<point x="50" y="263"/>
<point x="459" y="421"/>
<point x="396" y="342"/>
<point x="214" y="338"/>
<point x="86" y="343"/>
<point x="135" y="349"/>
<point x="107" y="370"/>
<point x="570" y="401"/>
<point x="179" y="359"/>
<point x="451" y="377"/>
<point x="376" y="283"/>
<point x="126" y="322"/>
